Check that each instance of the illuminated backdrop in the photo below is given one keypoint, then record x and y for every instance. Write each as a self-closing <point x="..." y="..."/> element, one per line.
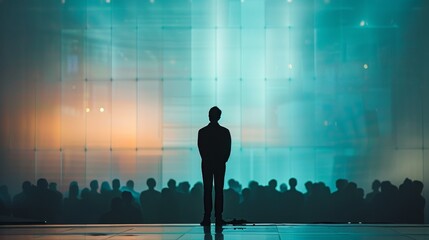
<point x="315" y="89"/>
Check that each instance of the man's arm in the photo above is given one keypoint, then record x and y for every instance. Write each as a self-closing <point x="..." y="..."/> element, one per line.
<point x="201" y="144"/>
<point x="227" y="145"/>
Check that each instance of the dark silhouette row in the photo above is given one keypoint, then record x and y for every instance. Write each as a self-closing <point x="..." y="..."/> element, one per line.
<point x="183" y="204"/>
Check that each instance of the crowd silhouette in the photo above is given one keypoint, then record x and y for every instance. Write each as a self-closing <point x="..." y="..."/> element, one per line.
<point x="181" y="203"/>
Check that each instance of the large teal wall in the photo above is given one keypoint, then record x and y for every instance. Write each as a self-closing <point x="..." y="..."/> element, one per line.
<point x="315" y="89"/>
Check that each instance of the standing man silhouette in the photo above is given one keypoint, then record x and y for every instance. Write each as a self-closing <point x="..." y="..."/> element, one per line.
<point x="214" y="144"/>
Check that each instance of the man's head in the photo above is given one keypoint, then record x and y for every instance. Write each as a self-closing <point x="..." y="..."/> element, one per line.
<point x="214" y="114"/>
<point x="151" y="183"/>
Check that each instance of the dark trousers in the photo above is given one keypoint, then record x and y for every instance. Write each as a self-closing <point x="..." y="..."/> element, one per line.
<point x="218" y="174"/>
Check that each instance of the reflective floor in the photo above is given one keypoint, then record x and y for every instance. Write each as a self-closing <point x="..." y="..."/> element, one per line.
<point x="188" y="231"/>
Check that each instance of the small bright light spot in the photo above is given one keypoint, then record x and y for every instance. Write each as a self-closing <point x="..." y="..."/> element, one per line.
<point x="101" y="109"/>
<point x="242" y="1"/>
<point x="107" y="1"/>
<point x="326" y="123"/>
<point x="289" y="1"/>
<point x="327" y="1"/>
<point x="290" y="66"/>
<point x="365" y="66"/>
<point x="151" y="1"/>
<point x="63" y="1"/>
<point x="87" y="110"/>
<point x="362" y="23"/>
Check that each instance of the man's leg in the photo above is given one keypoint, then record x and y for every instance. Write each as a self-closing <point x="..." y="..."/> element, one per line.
<point x="219" y="177"/>
<point x="208" y="188"/>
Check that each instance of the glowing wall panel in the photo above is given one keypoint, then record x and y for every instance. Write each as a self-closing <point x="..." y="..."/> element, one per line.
<point x="313" y="89"/>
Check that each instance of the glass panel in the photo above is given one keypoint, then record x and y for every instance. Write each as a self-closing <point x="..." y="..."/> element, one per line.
<point x="150" y="14"/>
<point x="279" y="165"/>
<point x="98" y="14"/>
<point x="150" y="53"/>
<point x="22" y="114"/>
<point x="254" y="165"/>
<point x="149" y="165"/>
<point x="176" y="53"/>
<point x="72" y="55"/>
<point x="408" y="116"/>
<point x="277" y="13"/>
<point x="303" y="165"/>
<point x="229" y="13"/>
<point x="203" y="54"/>
<point x="124" y="166"/>
<point x="124" y="55"/>
<point x="124" y="13"/>
<point x="253" y="14"/>
<point x="149" y="114"/>
<point x="16" y="167"/>
<point x="99" y="54"/>
<point x="49" y="165"/>
<point x="98" y="166"/>
<point x="253" y="113"/>
<point x="204" y="13"/>
<point x="74" y="14"/>
<point x="98" y="114"/>
<point x="124" y="114"/>
<point x="177" y="118"/>
<point x="228" y="50"/>
<point x="177" y="164"/>
<point x="48" y="115"/>
<point x="73" y="169"/>
<point x="253" y="53"/>
<point x="176" y="13"/>
<point x="73" y="114"/>
<point x="278" y="54"/>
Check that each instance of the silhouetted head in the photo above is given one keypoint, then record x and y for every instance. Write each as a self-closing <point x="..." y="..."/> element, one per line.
<point x="42" y="183"/>
<point x="105" y="187"/>
<point x="184" y="187"/>
<point x="197" y="188"/>
<point x="73" y="191"/>
<point x="283" y="187"/>
<point x="253" y="185"/>
<point x="341" y="184"/>
<point x="308" y="186"/>
<point x="386" y="186"/>
<point x="231" y="183"/>
<point x="214" y="114"/>
<point x="26" y="186"/>
<point x="293" y="182"/>
<point x="94" y="185"/>
<point x="53" y="186"/>
<point x="130" y="184"/>
<point x="84" y="194"/>
<point x="171" y="184"/>
<point x="116" y="184"/>
<point x="74" y="183"/>
<point x="151" y="183"/>
<point x="126" y="196"/>
<point x="376" y="185"/>
<point x="272" y="184"/>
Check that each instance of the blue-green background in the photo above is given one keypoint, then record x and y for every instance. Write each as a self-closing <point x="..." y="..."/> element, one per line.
<point x="315" y="89"/>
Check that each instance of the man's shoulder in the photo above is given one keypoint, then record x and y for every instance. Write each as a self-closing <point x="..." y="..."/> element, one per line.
<point x="203" y="129"/>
